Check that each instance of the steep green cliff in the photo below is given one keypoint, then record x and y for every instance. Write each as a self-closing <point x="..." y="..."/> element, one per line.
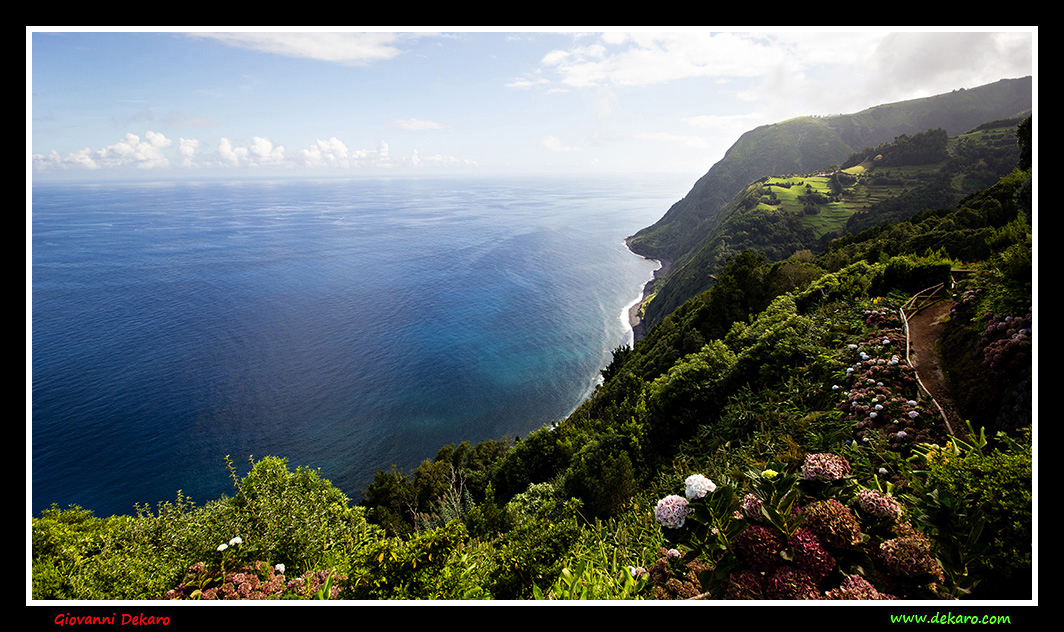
<point x="695" y="235"/>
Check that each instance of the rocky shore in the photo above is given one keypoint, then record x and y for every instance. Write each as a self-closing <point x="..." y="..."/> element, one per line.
<point x="635" y="317"/>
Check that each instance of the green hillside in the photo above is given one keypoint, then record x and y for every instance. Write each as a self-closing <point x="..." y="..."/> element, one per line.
<point x="805" y="145"/>
<point x="780" y="215"/>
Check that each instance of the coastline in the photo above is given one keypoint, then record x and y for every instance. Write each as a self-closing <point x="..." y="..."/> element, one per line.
<point x="635" y="320"/>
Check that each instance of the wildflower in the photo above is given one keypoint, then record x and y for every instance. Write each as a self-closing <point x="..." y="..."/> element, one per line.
<point x="913" y="414"/>
<point x="902" y="434"/>
<point x="673" y="553"/>
<point x="769" y="474"/>
<point x="223" y="546"/>
<point x="698" y="486"/>
<point x="852" y="346"/>
<point x="834" y="387"/>
<point x="911" y="402"/>
<point x="671" y="511"/>
<point x="886" y="341"/>
<point x="235" y="541"/>
<point x="279" y="568"/>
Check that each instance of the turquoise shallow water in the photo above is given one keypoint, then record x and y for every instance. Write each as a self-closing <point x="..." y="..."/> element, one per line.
<point x="347" y="325"/>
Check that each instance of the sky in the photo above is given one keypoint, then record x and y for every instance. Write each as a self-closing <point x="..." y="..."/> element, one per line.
<point x="166" y="104"/>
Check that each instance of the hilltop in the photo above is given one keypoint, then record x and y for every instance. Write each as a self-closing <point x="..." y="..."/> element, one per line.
<point x="712" y="222"/>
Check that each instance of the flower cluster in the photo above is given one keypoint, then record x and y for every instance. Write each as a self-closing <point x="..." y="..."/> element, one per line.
<point x="785" y="582"/>
<point x="311" y="582"/>
<point x="810" y="555"/>
<point x="910" y="556"/>
<point x="751" y="508"/>
<point x="760" y="546"/>
<point x="251" y="583"/>
<point x="698" y="486"/>
<point x="672" y="577"/>
<point x="671" y="511"/>
<point x="1007" y="342"/>
<point x="881" y="388"/>
<point x="824" y="467"/>
<point x="856" y="587"/>
<point x="833" y="522"/>
<point x="878" y="504"/>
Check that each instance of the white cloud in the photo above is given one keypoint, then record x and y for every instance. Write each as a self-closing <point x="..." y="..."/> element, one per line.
<point x="265" y="152"/>
<point x="186" y="149"/>
<point x="131" y="150"/>
<point x="353" y="49"/>
<point x="641" y="59"/>
<point x="231" y="154"/>
<point x="327" y="153"/>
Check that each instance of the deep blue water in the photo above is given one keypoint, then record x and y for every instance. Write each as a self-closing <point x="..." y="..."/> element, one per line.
<point x="347" y="325"/>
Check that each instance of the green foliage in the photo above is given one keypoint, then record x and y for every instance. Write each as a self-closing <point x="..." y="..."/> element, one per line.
<point x="425" y="566"/>
<point x="975" y="499"/>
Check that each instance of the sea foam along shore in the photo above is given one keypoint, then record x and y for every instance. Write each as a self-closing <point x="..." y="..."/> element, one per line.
<point x="635" y="319"/>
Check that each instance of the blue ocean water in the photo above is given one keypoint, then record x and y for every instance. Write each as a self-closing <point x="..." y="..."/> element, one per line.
<point x="347" y="325"/>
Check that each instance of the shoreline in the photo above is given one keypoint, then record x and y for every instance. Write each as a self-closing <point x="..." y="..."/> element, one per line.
<point x="635" y="320"/>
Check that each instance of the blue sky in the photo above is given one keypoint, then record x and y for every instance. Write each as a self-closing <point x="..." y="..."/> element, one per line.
<point x="180" y="104"/>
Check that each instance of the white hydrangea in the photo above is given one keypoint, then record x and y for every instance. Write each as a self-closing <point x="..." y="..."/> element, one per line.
<point x="698" y="486"/>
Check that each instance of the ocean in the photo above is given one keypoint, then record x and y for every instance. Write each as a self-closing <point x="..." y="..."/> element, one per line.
<point x="346" y="325"/>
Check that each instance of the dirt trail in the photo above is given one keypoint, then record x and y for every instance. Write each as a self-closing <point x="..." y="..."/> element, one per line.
<point x="925" y="328"/>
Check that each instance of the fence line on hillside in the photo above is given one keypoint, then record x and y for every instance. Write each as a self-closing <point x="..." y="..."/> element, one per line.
<point x="921" y="300"/>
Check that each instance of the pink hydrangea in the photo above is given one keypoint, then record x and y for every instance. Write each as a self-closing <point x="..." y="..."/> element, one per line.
<point x="878" y="504"/>
<point x="824" y="467"/>
<point x="671" y="511"/>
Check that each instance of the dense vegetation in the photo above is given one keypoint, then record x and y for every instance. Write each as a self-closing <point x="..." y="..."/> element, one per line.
<point x="765" y="440"/>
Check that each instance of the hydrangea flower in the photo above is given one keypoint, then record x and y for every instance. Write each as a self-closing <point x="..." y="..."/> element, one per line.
<point x="698" y="486"/>
<point x="878" y="504"/>
<point x="825" y="467"/>
<point x="856" y="587"/>
<point x="910" y="556"/>
<point x="751" y="507"/>
<point x="671" y="511"/>
<point x="833" y="523"/>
